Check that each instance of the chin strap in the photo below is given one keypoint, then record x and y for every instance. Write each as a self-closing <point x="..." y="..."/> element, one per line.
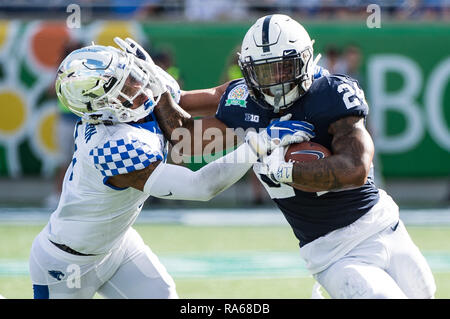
<point x="292" y="96"/>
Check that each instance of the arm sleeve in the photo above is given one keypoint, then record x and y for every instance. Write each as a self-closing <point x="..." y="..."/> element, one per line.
<point x="177" y="182"/>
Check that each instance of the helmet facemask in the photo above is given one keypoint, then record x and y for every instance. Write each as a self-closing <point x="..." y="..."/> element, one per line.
<point x="131" y="98"/>
<point x="278" y="82"/>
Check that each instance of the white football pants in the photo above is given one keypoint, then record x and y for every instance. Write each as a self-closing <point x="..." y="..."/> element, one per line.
<point x="386" y="265"/>
<point x="130" y="270"/>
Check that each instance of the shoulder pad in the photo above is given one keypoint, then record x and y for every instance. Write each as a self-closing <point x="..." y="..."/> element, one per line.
<point x="337" y="96"/>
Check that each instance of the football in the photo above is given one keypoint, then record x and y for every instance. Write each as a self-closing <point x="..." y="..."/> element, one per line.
<point x="306" y="152"/>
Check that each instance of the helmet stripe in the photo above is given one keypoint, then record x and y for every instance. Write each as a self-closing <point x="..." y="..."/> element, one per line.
<point x="265" y="34"/>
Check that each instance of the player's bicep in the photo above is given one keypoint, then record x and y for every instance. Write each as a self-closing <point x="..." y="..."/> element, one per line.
<point x="135" y="179"/>
<point x="206" y="134"/>
<point x="202" y="102"/>
<point x="352" y="141"/>
<point x="213" y="128"/>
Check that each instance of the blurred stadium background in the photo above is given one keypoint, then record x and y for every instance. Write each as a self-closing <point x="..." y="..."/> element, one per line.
<point x="238" y="244"/>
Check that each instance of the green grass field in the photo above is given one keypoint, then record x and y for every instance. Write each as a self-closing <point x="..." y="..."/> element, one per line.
<point x="232" y="243"/>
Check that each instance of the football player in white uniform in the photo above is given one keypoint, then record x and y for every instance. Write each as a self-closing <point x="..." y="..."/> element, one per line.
<point x="89" y="244"/>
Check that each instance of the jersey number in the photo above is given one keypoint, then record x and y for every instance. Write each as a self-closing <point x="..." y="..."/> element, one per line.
<point x="353" y="95"/>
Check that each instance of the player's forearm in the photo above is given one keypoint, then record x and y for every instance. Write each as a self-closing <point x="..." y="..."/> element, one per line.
<point x="331" y="173"/>
<point x="189" y="136"/>
<point x="177" y="182"/>
<point x="205" y="137"/>
<point x="225" y="171"/>
<point x="202" y="102"/>
<point x="171" y="116"/>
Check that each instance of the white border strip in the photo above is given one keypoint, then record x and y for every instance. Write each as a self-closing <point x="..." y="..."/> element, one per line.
<point x="221" y="217"/>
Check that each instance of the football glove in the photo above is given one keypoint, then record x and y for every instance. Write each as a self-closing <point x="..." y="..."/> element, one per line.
<point x="279" y="133"/>
<point x="275" y="167"/>
<point x="170" y="83"/>
<point x="157" y="83"/>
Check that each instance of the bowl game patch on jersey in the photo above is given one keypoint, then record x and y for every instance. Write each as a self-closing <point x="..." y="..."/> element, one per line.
<point x="237" y="96"/>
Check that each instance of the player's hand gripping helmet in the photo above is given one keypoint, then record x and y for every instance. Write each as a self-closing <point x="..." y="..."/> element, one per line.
<point x="276" y="60"/>
<point x="103" y="84"/>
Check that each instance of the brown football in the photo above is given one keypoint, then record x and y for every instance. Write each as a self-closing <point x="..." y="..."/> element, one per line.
<point x="306" y="152"/>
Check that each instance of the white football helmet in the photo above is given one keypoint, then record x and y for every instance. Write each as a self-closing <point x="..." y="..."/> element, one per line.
<point x="276" y="60"/>
<point x="103" y="84"/>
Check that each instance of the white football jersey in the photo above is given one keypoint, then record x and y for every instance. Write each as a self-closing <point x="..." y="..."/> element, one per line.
<point x="92" y="216"/>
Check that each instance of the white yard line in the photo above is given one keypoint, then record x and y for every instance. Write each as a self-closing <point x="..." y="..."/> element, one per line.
<point x="231" y="265"/>
<point x="221" y="217"/>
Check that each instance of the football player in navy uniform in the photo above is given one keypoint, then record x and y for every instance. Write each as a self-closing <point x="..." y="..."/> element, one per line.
<point x="349" y="231"/>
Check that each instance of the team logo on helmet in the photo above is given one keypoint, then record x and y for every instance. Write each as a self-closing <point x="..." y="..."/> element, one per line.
<point x="238" y="96"/>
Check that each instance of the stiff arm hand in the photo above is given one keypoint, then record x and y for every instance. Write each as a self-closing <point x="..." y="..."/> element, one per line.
<point x="143" y="59"/>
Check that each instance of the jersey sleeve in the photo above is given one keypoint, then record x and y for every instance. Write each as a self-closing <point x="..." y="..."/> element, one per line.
<point x="346" y="98"/>
<point x="232" y="104"/>
<point x="124" y="155"/>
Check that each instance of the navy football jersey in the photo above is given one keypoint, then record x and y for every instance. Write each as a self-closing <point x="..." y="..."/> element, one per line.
<point x="330" y="98"/>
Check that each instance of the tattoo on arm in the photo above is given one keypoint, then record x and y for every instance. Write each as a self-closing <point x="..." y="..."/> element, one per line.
<point x="349" y="164"/>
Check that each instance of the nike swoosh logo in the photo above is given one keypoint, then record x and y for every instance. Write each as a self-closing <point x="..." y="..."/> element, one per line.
<point x="170" y="194"/>
<point x="394" y="228"/>
<point x="108" y="85"/>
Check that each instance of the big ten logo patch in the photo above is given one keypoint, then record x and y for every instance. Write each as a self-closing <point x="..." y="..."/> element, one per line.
<point x="237" y="96"/>
<point x="251" y="118"/>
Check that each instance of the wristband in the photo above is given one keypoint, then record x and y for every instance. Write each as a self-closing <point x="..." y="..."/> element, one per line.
<point x="283" y="174"/>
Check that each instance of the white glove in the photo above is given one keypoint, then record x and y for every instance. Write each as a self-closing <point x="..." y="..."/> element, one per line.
<point x="157" y="82"/>
<point x="279" y="133"/>
<point x="170" y="83"/>
<point x="275" y="167"/>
